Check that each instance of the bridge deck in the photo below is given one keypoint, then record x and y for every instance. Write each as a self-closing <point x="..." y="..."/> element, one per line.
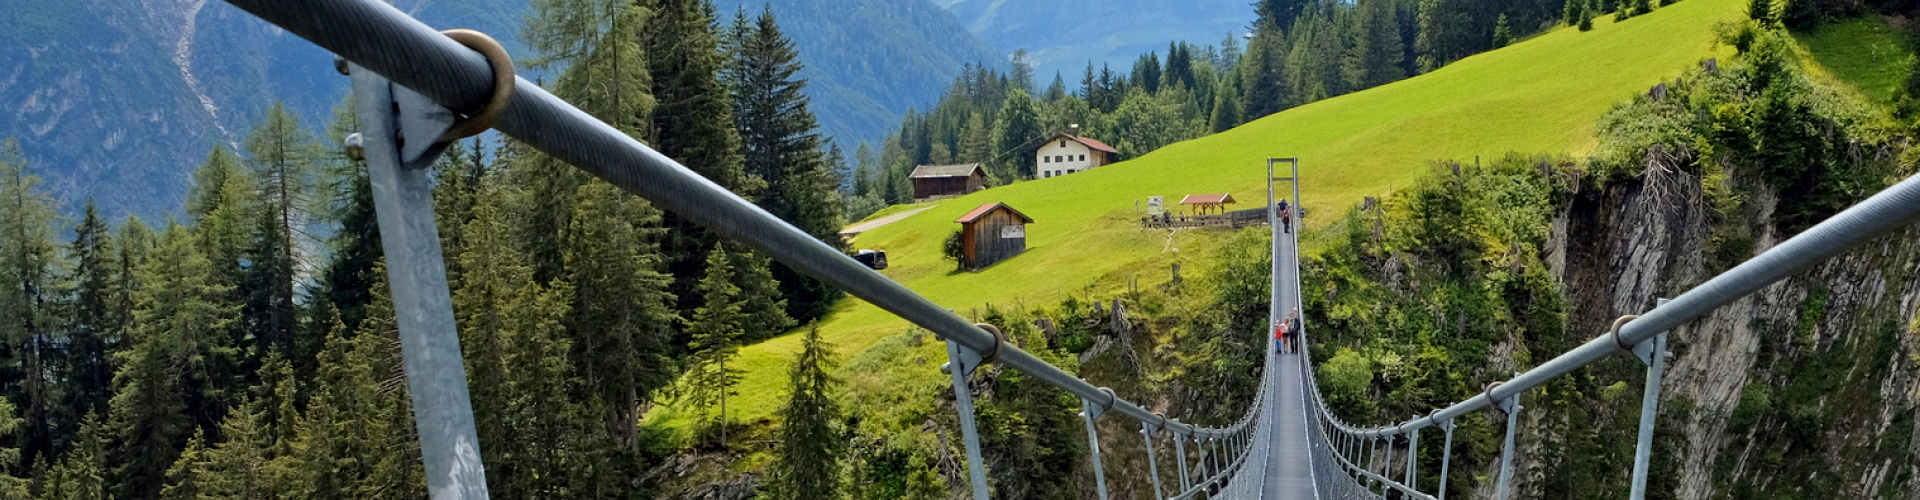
<point x="1288" y="472"/>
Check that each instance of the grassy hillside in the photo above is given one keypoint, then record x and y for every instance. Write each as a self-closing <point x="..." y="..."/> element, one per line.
<point x="1540" y="95"/>
<point x="1864" y="53"/>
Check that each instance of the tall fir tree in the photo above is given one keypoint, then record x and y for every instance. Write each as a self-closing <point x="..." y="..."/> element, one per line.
<point x="1057" y="90"/>
<point x="93" y="323"/>
<point x="807" y="463"/>
<point x="282" y="157"/>
<point x="1264" y="87"/>
<point x="782" y="147"/>
<point x="977" y="146"/>
<point x="356" y="439"/>
<point x="27" y="318"/>
<point x="1015" y="131"/>
<point x="173" y="376"/>
<point x="716" y="327"/>
<point x="620" y="323"/>
<point x="1226" y="103"/>
<point x="81" y="473"/>
<point x="11" y="425"/>
<point x="345" y="280"/>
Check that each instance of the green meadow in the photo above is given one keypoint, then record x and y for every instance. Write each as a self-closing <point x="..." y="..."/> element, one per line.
<point x="1542" y="94"/>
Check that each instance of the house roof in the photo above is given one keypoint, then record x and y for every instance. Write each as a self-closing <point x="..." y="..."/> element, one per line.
<point x="987" y="208"/>
<point x="1207" y="199"/>
<point x="925" y="171"/>
<point x="1088" y="142"/>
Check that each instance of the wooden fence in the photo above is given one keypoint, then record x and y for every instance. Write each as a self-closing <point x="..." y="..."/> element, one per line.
<point x="1230" y="220"/>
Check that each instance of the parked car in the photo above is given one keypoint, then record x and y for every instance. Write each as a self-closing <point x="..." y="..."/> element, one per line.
<point x="876" y="259"/>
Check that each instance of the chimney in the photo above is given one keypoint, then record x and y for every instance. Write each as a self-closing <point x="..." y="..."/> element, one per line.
<point x="1073" y="130"/>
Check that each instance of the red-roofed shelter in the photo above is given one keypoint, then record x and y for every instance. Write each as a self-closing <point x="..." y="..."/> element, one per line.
<point x="991" y="233"/>
<point x="1203" y="203"/>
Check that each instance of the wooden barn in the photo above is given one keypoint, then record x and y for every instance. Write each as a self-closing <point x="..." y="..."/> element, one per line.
<point x="990" y="234"/>
<point x="932" y="182"/>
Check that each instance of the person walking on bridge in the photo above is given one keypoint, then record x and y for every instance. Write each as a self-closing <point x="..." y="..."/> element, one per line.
<point x="1286" y="217"/>
<point x="1292" y="325"/>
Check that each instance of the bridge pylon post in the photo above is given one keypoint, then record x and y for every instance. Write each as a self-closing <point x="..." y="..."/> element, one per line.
<point x="1153" y="466"/>
<point x="1446" y="455"/>
<point x="1413" y="456"/>
<point x="1091" y="411"/>
<point x="1180" y="455"/>
<point x="1653" y="353"/>
<point x="402" y="191"/>
<point x="1509" y="405"/>
<point x="961" y="363"/>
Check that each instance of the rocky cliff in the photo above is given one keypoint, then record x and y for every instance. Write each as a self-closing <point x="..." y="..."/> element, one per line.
<point x="1807" y="388"/>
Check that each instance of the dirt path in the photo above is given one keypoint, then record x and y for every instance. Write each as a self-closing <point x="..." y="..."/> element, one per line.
<point x="870" y="225"/>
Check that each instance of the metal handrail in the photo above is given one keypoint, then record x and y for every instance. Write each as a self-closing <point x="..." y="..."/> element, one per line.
<point x="1885" y="211"/>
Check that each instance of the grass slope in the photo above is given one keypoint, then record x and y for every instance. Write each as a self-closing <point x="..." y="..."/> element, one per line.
<point x="1864" y="53"/>
<point x="1539" y="95"/>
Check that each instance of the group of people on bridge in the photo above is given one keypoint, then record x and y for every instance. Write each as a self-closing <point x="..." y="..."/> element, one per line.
<point x="1286" y="333"/>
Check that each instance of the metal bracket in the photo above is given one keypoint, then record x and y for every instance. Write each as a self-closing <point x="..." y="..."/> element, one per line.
<point x="421" y="123"/>
<point x="1094" y="411"/>
<point x="970" y="359"/>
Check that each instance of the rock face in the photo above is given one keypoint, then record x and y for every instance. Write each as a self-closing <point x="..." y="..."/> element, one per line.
<point x="1642" y="240"/>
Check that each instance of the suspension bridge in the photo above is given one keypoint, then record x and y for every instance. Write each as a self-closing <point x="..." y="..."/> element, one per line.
<point x="417" y="89"/>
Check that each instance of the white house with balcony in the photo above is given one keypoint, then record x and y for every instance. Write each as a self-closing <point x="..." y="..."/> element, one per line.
<point x="1068" y="152"/>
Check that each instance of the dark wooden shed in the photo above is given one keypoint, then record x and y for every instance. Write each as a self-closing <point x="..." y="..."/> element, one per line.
<point x="932" y="182"/>
<point x="991" y="233"/>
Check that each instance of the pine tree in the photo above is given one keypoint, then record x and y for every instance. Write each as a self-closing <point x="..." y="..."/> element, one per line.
<point x="237" y="467"/>
<point x="622" y="312"/>
<point x="1585" y="13"/>
<point x="807" y="460"/>
<point x="93" y="323"/>
<point x="1022" y="75"/>
<point x="1264" y="86"/>
<point x="1226" y="103"/>
<point x="10" y="426"/>
<point x="716" y="328"/>
<point x="26" y="311"/>
<point x="763" y="310"/>
<point x="356" y="439"/>
<point x="782" y="146"/>
<point x="1057" y="90"/>
<point x="1502" y="35"/>
<point x="81" y="473"/>
<point x="1015" y="132"/>
<point x="1146" y="72"/>
<point x="355" y="243"/>
<point x="171" y="378"/>
<point x="1179" y="69"/>
<point x="515" y="347"/>
<point x="977" y="146"/>
<point x="282" y="157"/>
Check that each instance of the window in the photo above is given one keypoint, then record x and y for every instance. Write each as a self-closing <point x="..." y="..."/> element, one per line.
<point x="1083" y="157"/>
<point x="1046" y="159"/>
<point x="1063" y="143"/>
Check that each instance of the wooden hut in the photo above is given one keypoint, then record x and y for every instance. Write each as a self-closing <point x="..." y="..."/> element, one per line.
<point x="932" y="182"/>
<point x="991" y="233"/>
<point x="1205" y="203"/>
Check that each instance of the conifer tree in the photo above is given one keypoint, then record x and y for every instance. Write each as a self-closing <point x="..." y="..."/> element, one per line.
<point x="10" y="426"/>
<point x="716" y="327"/>
<point x="1502" y="35"/>
<point x="356" y="439"/>
<point x="1146" y="72"/>
<point x="27" y="261"/>
<point x="1057" y="90"/>
<point x="1263" y="79"/>
<point x="171" y="380"/>
<point x="239" y="466"/>
<point x="977" y="146"/>
<point x="282" y="158"/>
<point x="782" y="146"/>
<point x="1226" y="103"/>
<point x="355" y="242"/>
<point x="1016" y="132"/>
<point x="1585" y="12"/>
<point x="514" y="344"/>
<point x="81" y="473"/>
<point x="1022" y="75"/>
<point x="94" y="324"/>
<point x="622" y="311"/>
<point x="807" y="460"/>
<point x="1179" y="67"/>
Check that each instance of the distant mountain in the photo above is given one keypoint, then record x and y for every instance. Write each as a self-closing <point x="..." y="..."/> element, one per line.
<point x="867" y="61"/>
<point x="1063" y="35"/>
<point x="119" y="100"/>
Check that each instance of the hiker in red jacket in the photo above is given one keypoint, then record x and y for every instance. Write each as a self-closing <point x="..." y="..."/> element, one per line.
<point x="1279" y="336"/>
